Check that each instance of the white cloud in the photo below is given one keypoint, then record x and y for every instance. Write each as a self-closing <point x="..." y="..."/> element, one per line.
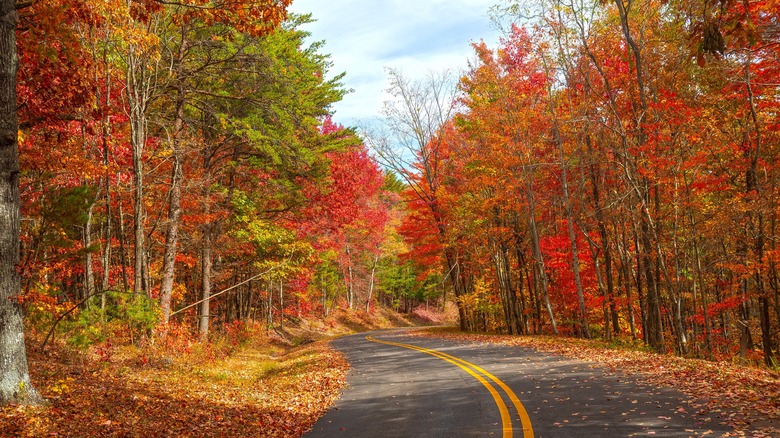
<point x="417" y="36"/>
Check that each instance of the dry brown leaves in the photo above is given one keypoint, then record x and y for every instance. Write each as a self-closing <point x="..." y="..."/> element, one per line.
<point x="746" y="398"/>
<point x="247" y="394"/>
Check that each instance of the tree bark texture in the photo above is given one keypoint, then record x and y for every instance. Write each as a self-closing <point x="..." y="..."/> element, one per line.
<point x="174" y="205"/>
<point x="14" y="376"/>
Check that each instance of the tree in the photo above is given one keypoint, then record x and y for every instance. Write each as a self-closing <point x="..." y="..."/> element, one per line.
<point x="505" y="96"/>
<point x="15" y="383"/>
<point x="187" y="27"/>
<point x="414" y="147"/>
<point x="260" y="115"/>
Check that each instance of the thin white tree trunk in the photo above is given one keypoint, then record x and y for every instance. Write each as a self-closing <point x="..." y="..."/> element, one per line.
<point x="371" y="285"/>
<point x="206" y="264"/>
<point x="537" y="253"/>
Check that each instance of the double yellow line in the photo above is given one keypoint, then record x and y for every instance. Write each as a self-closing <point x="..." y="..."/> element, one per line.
<point x="478" y="372"/>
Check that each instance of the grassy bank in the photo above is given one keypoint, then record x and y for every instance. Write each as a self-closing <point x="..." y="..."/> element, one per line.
<point x="247" y="381"/>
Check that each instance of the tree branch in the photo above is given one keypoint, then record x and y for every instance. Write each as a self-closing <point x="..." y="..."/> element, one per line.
<point x="234" y="286"/>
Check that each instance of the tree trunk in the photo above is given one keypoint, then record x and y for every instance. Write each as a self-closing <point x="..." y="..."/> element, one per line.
<point x="504" y="287"/>
<point x="104" y="102"/>
<point x="206" y="264"/>
<point x="106" y="250"/>
<point x="371" y="284"/>
<point x="594" y="251"/>
<point x="653" y="326"/>
<point x="453" y="271"/>
<point x="637" y="277"/>
<point x="523" y="305"/>
<point x="137" y="139"/>
<point x="351" y="284"/>
<point x="106" y="260"/>
<point x="89" y="275"/>
<point x="122" y="250"/>
<point x="270" y="315"/>
<point x="556" y="133"/>
<point x="704" y="302"/>
<point x="752" y="185"/>
<point x="575" y="259"/>
<point x="171" y="239"/>
<point x="624" y="276"/>
<point x="174" y="203"/>
<point x="281" y="305"/>
<point x="605" y="247"/>
<point x="539" y="269"/>
<point x="138" y="226"/>
<point x="15" y="383"/>
<point x="139" y="91"/>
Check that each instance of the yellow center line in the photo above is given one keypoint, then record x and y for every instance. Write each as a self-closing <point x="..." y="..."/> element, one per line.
<point x="521" y="412"/>
<point x="506" y="420"/>
<point x="474" y="371"/>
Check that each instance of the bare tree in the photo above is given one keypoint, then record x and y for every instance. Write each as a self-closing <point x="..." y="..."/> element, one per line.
<point x="141" y="90"/>
<point x="410" y="143"/>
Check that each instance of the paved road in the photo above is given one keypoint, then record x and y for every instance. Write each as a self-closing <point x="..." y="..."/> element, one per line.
<point x="402" y="386"/>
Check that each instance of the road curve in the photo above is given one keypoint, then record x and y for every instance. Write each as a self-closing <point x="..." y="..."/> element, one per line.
<point x="403" y="386"/>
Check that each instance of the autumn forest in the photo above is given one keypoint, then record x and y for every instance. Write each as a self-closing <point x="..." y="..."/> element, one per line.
<point x="611" y="170"/>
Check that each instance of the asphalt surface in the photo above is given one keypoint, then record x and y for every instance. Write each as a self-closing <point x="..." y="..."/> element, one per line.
<point x="396" y="391"/>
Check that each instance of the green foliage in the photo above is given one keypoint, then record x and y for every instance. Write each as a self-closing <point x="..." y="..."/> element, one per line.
<point x="64" y="213"/>
<point x="67" y="208"/>
<point x="88" y="328"/>
<point x="277" y="248"/>
<point x="327" y="280"/>
<point x="396" y="278"/>
<point x="393" y="183"/>
<point x="283" y="98"/>
<point x="403" y="280"/>
<point x="124" y="314"/>
<point x="142" y="313"/>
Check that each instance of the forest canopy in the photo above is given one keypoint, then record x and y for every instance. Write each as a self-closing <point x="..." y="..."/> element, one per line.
<point x="608" y="170"/>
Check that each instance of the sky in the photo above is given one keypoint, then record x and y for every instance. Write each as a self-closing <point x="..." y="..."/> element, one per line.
<point x="416" y="36"/>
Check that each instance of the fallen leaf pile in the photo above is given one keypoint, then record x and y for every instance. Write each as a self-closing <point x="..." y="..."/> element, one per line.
<point x="745" y="398"/>
<point x="249" y="393"/>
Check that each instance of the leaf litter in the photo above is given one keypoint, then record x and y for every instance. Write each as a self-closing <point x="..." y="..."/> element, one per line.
<point x="248" y="393"/>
